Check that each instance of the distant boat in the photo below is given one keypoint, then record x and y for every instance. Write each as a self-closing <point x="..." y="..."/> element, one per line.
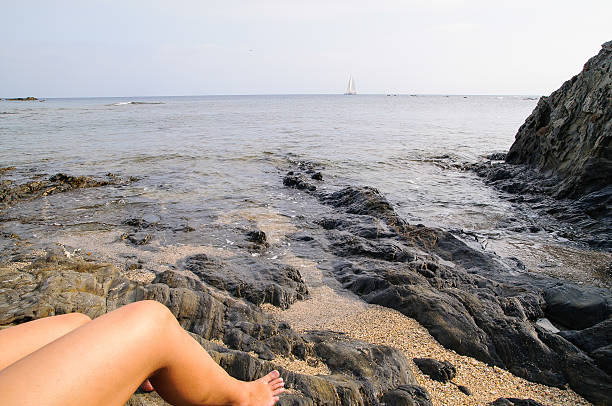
<point x="350" y="89"/>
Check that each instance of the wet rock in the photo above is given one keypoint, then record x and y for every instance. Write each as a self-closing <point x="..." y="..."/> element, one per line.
<point x="298" y="181"/>
<point x="497" y="156"/>
<point x="562" y="152"/>
<point x="59" y="183"/>
<point x="317" y="176"/>
<point x="407" y="395"/>
<point x="29" y="98"/>
<point x="568" y="134"/>
<point x="137" y="238"/>
<point x="514" y="402"/>
<point x="251" y="278"/>
<point x="258" y="239"/>
<point x="442" y="371"/>
<point x="471" y="301"/>
<point x="257" y="236"/>
<point x="365" y="201"/>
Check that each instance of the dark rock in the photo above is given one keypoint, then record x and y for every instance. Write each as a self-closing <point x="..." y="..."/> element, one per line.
<point x="59" y="183"/>
<point x="568" y="134"/>
<point x="251" y="278"/>
<point x="603" y="358"/>
<point x="298" y="181"/>
<point x="576" y="308"/>
<point x="592" y="338"/>
<point x="54" y="285"/>
<point x="442" y="371"/>
<point x="469" y="300"/>
<point x="137" y="238"/>
<point x="514" y="402"/>
<point x="30" y="98"/>
<point x="257" y="236"/>
<point x="317" y="176"/>
<point x="365" y="201"/>
<point x="407" y="395"/>
<point x="497" y="156"/>
<point x="465" y="390"/>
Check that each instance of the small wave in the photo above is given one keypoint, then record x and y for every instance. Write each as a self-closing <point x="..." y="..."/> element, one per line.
<point x="133" y="102"/>
<point x="8" y="112"/>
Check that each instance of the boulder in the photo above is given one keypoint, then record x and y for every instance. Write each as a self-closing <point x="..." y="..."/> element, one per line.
<point x="407" y="395"/>
<point x="442" y="371"/>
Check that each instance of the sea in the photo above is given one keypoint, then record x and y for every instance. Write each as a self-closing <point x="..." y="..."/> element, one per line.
<point x="193" y="160"/>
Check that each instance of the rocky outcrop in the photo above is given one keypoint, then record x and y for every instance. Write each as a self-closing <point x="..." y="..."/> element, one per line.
<point x="251" y="278"/>
<point x="361" y="373"/>
<point x="561" y="160"/>
<point x="569" y="132"/>
<point x="59" y="183"/>
<point x="471" y="301"/>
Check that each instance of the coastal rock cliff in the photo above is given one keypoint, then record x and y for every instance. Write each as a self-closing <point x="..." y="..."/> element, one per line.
<point x="569" y="132"/>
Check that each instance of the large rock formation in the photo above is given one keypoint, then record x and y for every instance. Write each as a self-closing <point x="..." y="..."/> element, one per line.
<point x="569" y="132"/>
<point x="360" y="373"/>
<point x="471" y="301"/>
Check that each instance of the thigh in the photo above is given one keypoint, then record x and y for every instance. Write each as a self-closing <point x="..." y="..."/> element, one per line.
<point x="19" y="341"/>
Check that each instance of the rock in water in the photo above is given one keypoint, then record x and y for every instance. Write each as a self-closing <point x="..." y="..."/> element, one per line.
<point x="569" y="132"/>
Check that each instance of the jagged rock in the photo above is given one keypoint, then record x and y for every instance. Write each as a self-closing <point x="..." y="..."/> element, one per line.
<point x="298" y="181"/>
<point x="317" y="176"/>
<point x="471" y="301"/>
<point x="562" y="155"/>
<point x="442" y="371"/>
<point x="407" y="395"/>
<point x="251" y="278"/>
<point x="569" y="132"/>
<point x="362" y="372"/>
<point x="59" y="183"/>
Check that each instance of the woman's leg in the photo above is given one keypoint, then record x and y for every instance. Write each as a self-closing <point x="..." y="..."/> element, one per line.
<point x="18" y="341"/>
<point x="104" y="361"/>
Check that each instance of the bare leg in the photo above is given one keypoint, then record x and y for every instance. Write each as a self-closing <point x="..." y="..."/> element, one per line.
<point x="104" y="361"/>
<point x="18" y="341"/>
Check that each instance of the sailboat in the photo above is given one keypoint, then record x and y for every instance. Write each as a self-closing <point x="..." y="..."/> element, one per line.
<point x="351" y="86"/>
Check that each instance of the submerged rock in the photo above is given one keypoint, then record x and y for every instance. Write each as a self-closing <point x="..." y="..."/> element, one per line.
<point x="59" y="183"/>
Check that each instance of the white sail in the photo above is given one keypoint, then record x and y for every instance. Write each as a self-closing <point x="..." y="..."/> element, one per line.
<point x="351" y="87"/>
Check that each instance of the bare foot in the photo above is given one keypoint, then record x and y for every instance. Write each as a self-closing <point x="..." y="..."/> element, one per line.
<point x="146" y="386"/>
<point x="264" y="391"/>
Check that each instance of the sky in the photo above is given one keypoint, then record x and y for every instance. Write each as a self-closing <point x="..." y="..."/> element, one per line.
<point x="155" y="48"/>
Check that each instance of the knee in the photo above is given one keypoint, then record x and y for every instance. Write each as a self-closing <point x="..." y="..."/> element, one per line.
<point x="74" y="320"/>
<point x="149" y="313"/>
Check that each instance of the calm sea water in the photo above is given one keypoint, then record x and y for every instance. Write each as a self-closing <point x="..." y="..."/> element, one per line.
<point x="200" y="157"/>
<point x="216" y="151"/>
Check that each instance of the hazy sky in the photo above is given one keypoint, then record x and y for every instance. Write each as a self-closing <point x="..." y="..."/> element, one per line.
<point x="129" y="48"/>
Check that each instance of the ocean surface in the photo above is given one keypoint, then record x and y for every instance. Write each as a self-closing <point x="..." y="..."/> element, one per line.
<point x="199" y="158"/>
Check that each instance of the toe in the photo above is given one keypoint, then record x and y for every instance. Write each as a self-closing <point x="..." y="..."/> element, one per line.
<point x="271" y="376"/>
<point x="278" y="391"/>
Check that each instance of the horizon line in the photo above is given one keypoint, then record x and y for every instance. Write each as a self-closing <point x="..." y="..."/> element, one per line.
<point x="278" y="94"/>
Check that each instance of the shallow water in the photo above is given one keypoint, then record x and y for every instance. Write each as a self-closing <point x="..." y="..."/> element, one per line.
<point x="200" y="158"/>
